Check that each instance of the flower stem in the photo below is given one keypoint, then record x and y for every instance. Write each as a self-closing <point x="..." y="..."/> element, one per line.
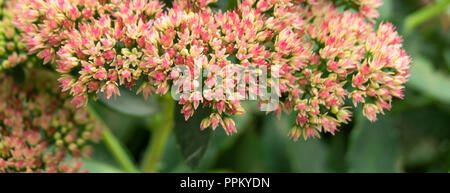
<point x="114" y="146"/>
<point x="161" y="127"/>
<point x="424" y="14"/>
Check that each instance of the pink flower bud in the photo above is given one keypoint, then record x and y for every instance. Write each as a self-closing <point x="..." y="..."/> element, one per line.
<point x="206" y="122"/>
<point x="370" y="111"/>
<point x="100" y="74"/>
<point x="111" y="89"/>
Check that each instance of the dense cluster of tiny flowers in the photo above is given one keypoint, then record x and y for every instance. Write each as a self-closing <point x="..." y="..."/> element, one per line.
<point x="325" y="54"/>
<point x="40" y="128"/>
<point x="353" y="60"/>
<point x="12" y="51"/>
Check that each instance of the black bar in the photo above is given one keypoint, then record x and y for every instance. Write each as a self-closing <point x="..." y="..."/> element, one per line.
<point x="228" y="182"/>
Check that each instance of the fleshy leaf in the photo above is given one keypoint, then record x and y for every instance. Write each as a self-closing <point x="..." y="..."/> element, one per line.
<point x="430" y="82"/>
<point x="191" y="141"/>
<point x="129" y="103"/>
<point x="374" y="147"/>
<point x="94" y="166"/>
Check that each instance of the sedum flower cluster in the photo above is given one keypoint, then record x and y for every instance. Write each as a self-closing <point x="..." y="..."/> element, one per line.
<point x="12" y="51"/>
<point x="40" y="128"/>
<point x="327" y="52"/>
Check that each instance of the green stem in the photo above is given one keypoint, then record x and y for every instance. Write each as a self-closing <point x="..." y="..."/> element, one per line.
<point x="114" y="146"/>
<point x="424" y="14"/>
<point x="161" y="127"/>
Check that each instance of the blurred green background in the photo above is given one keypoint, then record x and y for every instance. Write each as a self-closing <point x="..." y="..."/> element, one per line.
<point x="412" y="137"/>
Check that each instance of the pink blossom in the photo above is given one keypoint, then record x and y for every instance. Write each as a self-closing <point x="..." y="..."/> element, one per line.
<point x="32" y="143"/>
<point x="326" y="55"/>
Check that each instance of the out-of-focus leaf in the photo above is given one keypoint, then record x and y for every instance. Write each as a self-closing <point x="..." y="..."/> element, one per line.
<point x="101" y="161"/>
<point x="245" y="155"/>
<point x="282" y="154"/>
<point x="447" y="56"/>
<point x="231" y="4"/>
<point x="274" y="144"/>
<point x="337" y="148"/>
<point x="429" y="81"/>
<point x="122" y="126"/>
<point x="374" y="147"/>
<point x="182" y="168"/>
<point x="422" y="153"/>
<point x="308" y="156"/>
<point x="425" y="138"/>
<point x="171" y="157"/>
<point x="18" y="74"/>
<point x="220" y="141"/>
<point x="129" y="103"/>
<point x="94" y="166"/>
<point x="224" y="5"/>
<point x="190" y="140"/>
<point x="425" y="14"/>
<point x="265" y="147"/>
<point x="425" y="122"/>
<point x="102" y="154"/>
<point x="386" y="10"/>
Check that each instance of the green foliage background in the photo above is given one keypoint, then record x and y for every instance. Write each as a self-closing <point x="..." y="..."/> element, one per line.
<point x="413" y="137"/>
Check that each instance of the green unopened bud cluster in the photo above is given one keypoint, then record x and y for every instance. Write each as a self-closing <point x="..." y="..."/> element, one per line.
<point x="39" y="126"/>
<point x="12" y="50"/>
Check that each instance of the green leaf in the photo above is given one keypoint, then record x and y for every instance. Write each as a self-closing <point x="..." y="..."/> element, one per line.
<point x="303" y="156"/>
<point x="386" y="10"/>
<point x="18" y="74"/>
<point x="424" y="14"/>
<point x="447" y="56"/>
<point x="374" y="147"/>
<point x="430" y="82"/>
<point x="308" y="156"/>
<point x="122" y="126"/>
<point x="113" y="144"/>
<point x="231" y="4"/>
<point x="190" y="140"/>
<point x="171" y="159"/>
<point x="245" y="155"/>
<point x="424" y="132"/>
<point x="129" y="103"/>
<point x="222" y="4"/>
<point x="260" y="146"/>
<point x="94" y="166"/>
<point x="337" y="148"/>
<point x="220" y="142"/>
<point x="274" y="144"/>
